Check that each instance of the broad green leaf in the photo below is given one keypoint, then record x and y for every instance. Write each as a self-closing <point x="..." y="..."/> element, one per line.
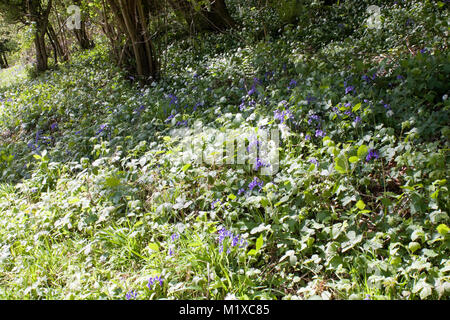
<point x="153" y="246"/>
<point x="442" y="229"/>
<point x="353" y="159"/>
<point x="356" y="107"/>
<point x="231" y="196"/>
<point x="360" y="205"/>
<point x="414" y="246"/>
<point x="362" y="151"/>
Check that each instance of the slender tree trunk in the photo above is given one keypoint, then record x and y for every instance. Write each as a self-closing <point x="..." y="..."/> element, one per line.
<point x="56" y="43"/>
<point x="82" y="37"/>
<point x="3" y="62"/>
<point x="132" y="17"/>
<point x="81" y="34"/>
<point x="217" y="18"/>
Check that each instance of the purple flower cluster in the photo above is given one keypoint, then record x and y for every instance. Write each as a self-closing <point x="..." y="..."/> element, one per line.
<point x="102" y="128"/>
<point x="349" y="89"/>
<point x="314" y="117"/>
<point x="255" y="183"/>
<point x="153" y="280"/>
<point x="320" y="133"/>
<point x="314" y="160"/>
<point x="373" y="154"/>
<point x="131" y="295"/>
<point x="292" y="84"/>
<point x="235" y="240"/>
<point x="260" y="163"/>
<point x="256" y="143"/>
<point x="282" y="115"/>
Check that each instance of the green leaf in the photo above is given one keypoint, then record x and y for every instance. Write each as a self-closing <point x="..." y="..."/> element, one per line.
<point x="356" y="107"/>
<point x="153" y="246"/>
<point x="252" y="252"/>
<point x="414" y="246"/>
<point x="442" y="229"/>
<point x="360" y="205"/>
<point x="353" y="159"/>
<point x="185" y="167"/>
<point x="341" y="165"/>
<point x="362" y="151"/>
<point x="231" y="196"/>
<point x="259" y="242"/>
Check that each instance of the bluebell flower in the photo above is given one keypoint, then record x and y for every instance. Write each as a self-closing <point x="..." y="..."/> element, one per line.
<point x="153" y="280"/>
<point x="260" y="163"/>
<point x="254" y="142"/>
<point x="242" y="105"/>
<point x="349" y="89"/>
<point x="255" y="183"/>
<point x="314" y="160"/>
<point x="357" y="119"/>
<point x="241" y="191"/>
<point x="292" y="84"/>
<point x="282" y="115"/>
<point x="131" y="295"/>
<point x="252" y="90"/>
<point x="170" y="117"/>
<point x="320" y="133"/>
<point x="308" y="137"/>
<point x="373" y="154"/>
<point x="313" y="117"/>
<point x="102" y="128"/>
<point x="175" y="236"/>
<point x="53" y="126"/>
<point x="235" y="240"/>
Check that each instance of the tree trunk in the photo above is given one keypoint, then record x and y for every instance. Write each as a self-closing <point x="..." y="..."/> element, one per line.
<point x="56" y="43"/>
<point x="41" y="50"/>
<point x="40" y="17"/>
<point x="217" y="18"/>
<point x="81" y="34"/>
<point x="82" y="37"/>
<point x="132" y="17"/>
<point x="3" y="62"/>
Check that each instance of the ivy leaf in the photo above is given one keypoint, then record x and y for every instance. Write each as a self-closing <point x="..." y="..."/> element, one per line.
<point x="442" y="229"/>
